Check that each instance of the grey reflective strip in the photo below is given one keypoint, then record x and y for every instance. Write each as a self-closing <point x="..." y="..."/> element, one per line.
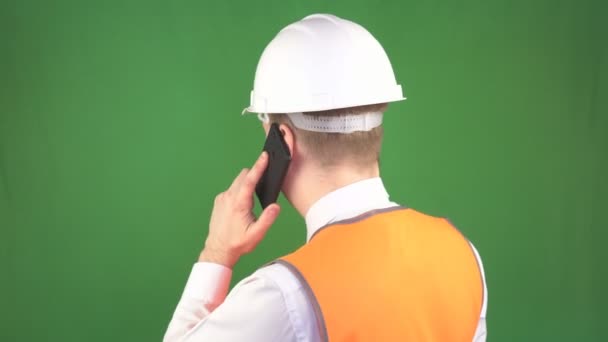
<point x="311" y="297"/>
<point x="479" y="268"/>
<point x="359" y="218"/>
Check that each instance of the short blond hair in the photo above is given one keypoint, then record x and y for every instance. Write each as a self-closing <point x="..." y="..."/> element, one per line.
<point x="329" y="149"/>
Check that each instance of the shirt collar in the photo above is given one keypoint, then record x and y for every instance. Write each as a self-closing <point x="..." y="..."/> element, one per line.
<point x="347" y="202"/>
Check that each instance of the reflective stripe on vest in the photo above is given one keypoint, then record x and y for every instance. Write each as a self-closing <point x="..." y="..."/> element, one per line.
<point x="391" y="275"/>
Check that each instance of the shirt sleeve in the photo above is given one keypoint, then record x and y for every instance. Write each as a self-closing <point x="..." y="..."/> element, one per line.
<point x="481" y="331"/>
<point x="254" y="310"/>
<point x="205" y="290"/>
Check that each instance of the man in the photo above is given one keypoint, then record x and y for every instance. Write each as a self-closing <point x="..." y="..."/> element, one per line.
<point x="371" y="270"/>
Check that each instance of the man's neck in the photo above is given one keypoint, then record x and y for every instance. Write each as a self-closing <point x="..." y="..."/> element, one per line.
<point x="322" y="183"/>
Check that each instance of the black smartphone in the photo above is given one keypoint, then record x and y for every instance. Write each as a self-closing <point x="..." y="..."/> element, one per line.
<point x="269" y="186"/>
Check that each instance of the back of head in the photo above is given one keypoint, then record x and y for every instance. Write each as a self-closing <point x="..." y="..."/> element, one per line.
<point x="330" y="80"/>
<point x="358" y="148"/>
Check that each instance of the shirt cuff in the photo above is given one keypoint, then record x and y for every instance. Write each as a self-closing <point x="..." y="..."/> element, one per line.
<point x="208" y="282"/>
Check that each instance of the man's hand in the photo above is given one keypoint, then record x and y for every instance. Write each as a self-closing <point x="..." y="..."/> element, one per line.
<point x="234" y="230"/>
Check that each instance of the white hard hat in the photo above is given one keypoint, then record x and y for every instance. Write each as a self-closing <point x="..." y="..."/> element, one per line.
<point x="322" y="62"/>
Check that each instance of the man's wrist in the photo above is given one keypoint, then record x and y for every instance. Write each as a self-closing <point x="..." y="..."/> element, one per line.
<point x="217" y="257"/>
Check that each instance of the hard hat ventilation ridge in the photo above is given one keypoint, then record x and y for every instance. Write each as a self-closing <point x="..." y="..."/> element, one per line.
<point x="337" y="124"/>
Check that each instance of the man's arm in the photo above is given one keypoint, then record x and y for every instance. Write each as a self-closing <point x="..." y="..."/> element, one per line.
<point x="255" y="310"/>
<point x="233" y="231"/>
<point x="205" y="291"/>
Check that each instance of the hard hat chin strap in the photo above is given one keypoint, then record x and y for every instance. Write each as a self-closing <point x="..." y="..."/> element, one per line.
<point x="337" y="124"/>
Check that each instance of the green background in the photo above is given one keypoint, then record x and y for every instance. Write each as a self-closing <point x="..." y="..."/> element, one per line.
<point x="120" y="121"/>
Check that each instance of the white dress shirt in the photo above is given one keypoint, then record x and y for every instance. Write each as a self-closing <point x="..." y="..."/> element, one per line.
<point x="271" y="304"/>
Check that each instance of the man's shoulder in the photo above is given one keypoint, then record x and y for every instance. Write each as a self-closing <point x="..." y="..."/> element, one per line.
<point x="280" y="276"/>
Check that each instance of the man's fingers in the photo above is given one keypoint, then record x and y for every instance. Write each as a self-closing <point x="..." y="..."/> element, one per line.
<point x="257" y="230"/>
<point x="253" y="176"/>
<point x="236" y="183"/>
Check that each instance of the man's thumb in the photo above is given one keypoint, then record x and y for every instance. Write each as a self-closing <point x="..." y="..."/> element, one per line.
<point x="257" y="230"/>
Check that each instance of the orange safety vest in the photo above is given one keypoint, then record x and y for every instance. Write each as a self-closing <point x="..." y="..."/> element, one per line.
<point x="391" y="275"/>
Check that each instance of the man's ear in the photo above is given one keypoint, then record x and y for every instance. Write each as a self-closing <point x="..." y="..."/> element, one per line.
<point x="288" y="136"/>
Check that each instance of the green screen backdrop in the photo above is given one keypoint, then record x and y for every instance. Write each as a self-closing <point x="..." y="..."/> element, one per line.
<point x="120" y="121"/>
